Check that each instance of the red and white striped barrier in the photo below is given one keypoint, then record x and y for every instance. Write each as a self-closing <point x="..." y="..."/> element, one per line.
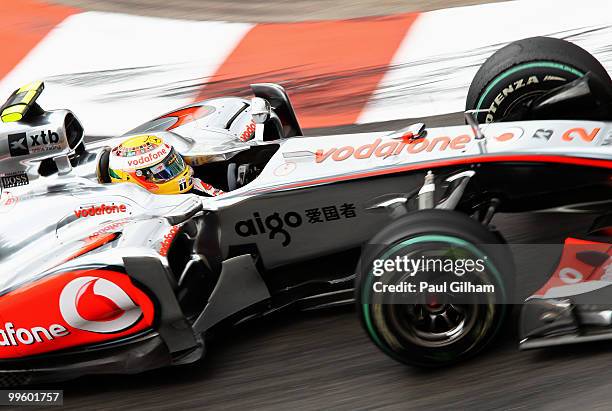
<point x="116" y="71"/>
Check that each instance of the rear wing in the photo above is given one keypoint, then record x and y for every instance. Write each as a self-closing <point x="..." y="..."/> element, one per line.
<point x="21" y="102"/>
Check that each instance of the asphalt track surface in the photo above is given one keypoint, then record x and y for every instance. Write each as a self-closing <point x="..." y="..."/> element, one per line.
<point x="323" y="360"/>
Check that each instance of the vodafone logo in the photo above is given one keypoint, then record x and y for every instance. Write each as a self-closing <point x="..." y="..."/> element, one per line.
<point x="97" y="305"/>
<point x="146" y="159"/>
<point x="509" y="134"/>
<point x="285" y="169"/>
<point x="570" y="275"/>
<point x="385" y="149"/>
<point x="393" y="148"/>
<point x="14" y="336"/>
<point x="248" y="132"/>
<point x="7" y="201"/>
<point x="102" y="209"/>
<point x="167" y="241"/>
<point x="108" y="228"/>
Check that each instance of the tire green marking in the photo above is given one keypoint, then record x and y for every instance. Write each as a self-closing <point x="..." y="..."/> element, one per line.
<point x="539" y="64"/>
<point x="421" y="239"/>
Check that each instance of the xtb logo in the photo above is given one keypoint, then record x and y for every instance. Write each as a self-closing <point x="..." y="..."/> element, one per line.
<point x="18" y="144"/>
<point x="21" y="144"/>
<point x="43" y="139"/>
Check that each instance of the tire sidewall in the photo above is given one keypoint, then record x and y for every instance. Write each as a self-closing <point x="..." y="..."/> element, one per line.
<point x="553" y="61"/>
<point x="423" y="224"/>
<point x="522" y="83"/>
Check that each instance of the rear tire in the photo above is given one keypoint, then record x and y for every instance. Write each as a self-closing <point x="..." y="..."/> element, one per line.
<point x="524" y="70"/>
<point x="396" y="328"/>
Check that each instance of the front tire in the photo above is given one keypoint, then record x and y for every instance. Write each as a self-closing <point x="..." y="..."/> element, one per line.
<point x="435" y="334"/>
<point x="525" y="69"/>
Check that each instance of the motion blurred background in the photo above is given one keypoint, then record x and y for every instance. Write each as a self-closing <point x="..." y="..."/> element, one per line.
<point x="119" y="63"/>
<point x="349" y="66"/>
<point x="266" y="11"/>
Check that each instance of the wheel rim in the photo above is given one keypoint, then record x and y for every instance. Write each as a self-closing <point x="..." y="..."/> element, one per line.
<point x="522" y="101"/>
<point x="379" y="336"/>
<point x="437" y="325"/>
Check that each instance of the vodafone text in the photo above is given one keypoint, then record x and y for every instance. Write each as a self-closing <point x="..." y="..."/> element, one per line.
<point x="11" y="336"/>
<point x="148" y="158"/>
<point x="391" y="148"/>
<point x="167" y="241"/>
<point x="112" y="227"/>
<point x="100" y="210"/>
<point x="248" y="132"/>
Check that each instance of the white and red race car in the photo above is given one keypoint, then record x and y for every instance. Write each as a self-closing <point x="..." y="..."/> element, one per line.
<point x="110" y="278"/>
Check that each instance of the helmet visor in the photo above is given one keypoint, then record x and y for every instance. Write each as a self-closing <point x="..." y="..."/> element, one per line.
<point x="169" y="168"/>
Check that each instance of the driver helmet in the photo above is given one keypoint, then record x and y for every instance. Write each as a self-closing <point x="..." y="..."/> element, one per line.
<point x="148" y="161"/>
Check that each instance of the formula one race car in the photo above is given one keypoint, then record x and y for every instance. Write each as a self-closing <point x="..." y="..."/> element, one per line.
<point x="97" y="277"/>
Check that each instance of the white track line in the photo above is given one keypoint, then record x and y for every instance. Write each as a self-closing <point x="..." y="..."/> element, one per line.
<point x="116" y="71"/>
<point x="433" y="67"/>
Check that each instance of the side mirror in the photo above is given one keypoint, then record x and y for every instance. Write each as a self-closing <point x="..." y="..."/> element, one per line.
<point x="260" y="112"/>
